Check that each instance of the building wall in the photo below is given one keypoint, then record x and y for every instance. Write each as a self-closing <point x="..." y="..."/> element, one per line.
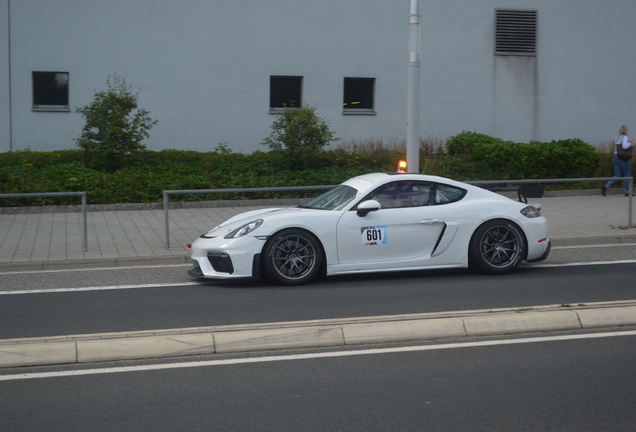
<point x="203" y="67"/>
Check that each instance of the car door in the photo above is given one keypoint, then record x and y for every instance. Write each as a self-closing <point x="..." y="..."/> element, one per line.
<point x="403" y="230"/>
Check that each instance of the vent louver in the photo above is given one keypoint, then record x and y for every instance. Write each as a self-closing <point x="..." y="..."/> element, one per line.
<point x="516" y="32"/>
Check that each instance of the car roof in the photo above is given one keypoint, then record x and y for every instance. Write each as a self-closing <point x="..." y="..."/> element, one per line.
<point x="395" y="176"/>
<point x="380" y="178"/>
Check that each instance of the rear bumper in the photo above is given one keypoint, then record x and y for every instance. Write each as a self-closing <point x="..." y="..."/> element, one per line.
<point x="545" y="254"/>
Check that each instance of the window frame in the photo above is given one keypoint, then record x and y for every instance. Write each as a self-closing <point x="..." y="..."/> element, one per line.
<point x="38" y="86"/>
<point x="272" y="99"/>
<point x="347" y="96"/>
<point x="428" y="189"/>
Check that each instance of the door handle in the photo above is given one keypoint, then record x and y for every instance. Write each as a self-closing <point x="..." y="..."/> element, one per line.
<point x="429" y="221"/>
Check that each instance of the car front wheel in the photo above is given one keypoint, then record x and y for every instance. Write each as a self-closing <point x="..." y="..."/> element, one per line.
<point x="497" y="247"/>
<point x="293" y="257"/>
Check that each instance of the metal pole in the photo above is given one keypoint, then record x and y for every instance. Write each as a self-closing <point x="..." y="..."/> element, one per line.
<point x="85" y="236"/>
<point x="413" y="91"/>
<point x="10" y="75"/>
<point x="165" y="217"/>
<point x="629" y="206"/>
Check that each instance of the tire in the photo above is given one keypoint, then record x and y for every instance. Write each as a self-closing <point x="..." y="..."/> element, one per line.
<point x="497" y="247"/>
<point x="293" y="257"/>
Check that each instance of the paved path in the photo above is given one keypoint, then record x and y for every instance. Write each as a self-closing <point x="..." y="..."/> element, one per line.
<point x="127" y="237"/>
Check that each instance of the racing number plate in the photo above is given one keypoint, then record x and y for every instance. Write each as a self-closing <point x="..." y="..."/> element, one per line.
<point x="373" y="235"/>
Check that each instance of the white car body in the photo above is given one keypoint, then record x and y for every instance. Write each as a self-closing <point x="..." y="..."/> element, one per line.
<point x="435" y="235"/>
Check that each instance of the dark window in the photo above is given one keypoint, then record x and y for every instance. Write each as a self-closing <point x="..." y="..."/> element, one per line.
<point x="358" y="95"/>
<point x="285" y="91"/>
<point x="402" y="194"/>
<point x="515" y="32"/>
<point x="50" y="90"/>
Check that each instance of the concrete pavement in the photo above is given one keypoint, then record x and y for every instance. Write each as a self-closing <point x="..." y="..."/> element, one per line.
<point x="45" y="238"/>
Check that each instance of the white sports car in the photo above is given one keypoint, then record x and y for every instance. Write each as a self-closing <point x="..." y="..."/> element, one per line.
<point x="376" y="223"/>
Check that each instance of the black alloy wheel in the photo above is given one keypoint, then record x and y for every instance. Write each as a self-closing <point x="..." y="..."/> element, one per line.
<point x="293" y="257"/>
<point x="497" y="247"/>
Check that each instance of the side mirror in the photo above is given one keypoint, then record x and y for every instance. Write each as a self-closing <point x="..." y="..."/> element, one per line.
<point x="368" y="206"/>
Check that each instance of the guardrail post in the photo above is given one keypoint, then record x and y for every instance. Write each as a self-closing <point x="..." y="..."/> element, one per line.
<point x="629" y="206"/>
<point x="84" y="224"/>
<point x="165" y="217"/>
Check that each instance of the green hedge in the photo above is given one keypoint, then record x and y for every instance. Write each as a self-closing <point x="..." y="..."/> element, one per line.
<point x="466" y="156"/>
<point x="495" y="159"/>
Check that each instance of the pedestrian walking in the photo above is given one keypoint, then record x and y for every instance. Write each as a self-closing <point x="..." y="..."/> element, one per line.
<point x="622" y="164"/>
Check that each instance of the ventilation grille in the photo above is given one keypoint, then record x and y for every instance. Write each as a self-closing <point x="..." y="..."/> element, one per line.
<point x="516" y="32"/>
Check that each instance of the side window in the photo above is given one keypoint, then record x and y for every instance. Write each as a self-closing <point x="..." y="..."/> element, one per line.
<point x="50" y="91"/>
<point x="402" y="194"/>
<point x="285" y="91"/>
<point x="445" y="194"/>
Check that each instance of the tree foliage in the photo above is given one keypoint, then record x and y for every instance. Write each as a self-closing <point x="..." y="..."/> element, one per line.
<point x="114" y="126"/>
<point x="300" y="135"/>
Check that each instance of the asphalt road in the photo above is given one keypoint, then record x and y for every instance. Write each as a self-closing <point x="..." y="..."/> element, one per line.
<point x="190" y="304"/>
<point x="566" y="385"/>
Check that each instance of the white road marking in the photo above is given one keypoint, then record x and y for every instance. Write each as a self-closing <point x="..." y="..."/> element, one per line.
<point x="94" y="269"/>
<point x="123" y="287"/>
<point x="593" y="246"/>
<point x="182" y="365"/>
<point x="97" y="288"/>
<point x="582" y="263"/>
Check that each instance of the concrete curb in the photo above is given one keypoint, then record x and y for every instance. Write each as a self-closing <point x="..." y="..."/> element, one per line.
<point x="311" y="334"/>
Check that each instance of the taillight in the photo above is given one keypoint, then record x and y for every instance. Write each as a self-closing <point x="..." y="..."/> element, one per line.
<point x="530" y="212"/>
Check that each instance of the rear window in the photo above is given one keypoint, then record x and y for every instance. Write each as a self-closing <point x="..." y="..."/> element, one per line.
<point x="445" y="194"/>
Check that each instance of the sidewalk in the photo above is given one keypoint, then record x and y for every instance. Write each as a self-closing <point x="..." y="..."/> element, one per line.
<point x="133" y="237"/>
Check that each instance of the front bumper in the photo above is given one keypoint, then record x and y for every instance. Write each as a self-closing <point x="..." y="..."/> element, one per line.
<point x="218" y="258"/>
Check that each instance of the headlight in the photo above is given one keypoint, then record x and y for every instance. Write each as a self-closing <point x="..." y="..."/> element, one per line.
<point x="244" y="229"/>
<point x="530" y="212"/>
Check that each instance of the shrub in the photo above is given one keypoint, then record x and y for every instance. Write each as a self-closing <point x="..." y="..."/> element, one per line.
<point x="115" y="126"/>
<point x="150" y="172"/>
<point x="494" y="159"/>
<point x="465" y="142"/>
<point x="299" y="135"/>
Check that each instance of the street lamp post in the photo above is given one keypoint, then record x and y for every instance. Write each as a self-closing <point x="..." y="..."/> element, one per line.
<point x="413" y="90"/>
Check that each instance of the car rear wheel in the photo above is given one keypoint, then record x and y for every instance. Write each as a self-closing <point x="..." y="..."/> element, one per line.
<point x="293" y="257"/>
<point x="497" y="247"/>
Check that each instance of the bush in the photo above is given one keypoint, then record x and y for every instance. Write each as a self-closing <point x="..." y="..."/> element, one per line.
<point x="115" y="126"/>
<point x="299" y="135"/>
<point x="494" y="159"/>
<point x="465" y="142"/>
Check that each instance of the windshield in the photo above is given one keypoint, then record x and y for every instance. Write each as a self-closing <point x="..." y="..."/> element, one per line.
<point x="335" y="199"/>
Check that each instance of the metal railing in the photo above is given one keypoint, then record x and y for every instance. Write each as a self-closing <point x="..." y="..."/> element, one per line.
<point x="59" y="194"/>
<point x="576" y="180"/>
<point x="166" y="198"/>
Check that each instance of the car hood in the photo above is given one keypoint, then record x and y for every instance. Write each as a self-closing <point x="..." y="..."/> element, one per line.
<point x="251" y="215"/>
